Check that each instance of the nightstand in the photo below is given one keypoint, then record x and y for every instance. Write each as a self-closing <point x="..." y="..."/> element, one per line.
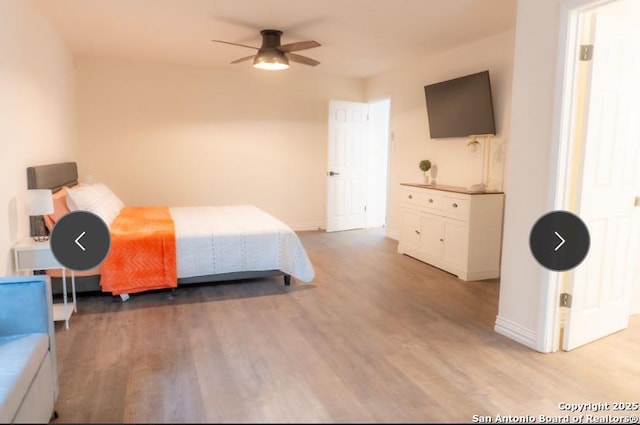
<point x="31" y="255"/>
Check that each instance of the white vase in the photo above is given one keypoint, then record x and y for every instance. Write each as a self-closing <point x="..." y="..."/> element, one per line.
<point x="426" y="178"/>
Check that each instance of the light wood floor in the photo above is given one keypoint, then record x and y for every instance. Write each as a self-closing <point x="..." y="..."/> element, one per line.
<point x="376" y="337"/>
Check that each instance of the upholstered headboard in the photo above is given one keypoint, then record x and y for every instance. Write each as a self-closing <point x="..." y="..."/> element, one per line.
<point x="52" y="176"/>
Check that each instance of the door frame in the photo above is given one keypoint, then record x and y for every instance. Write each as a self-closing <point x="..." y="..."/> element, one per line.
<point x="552" y="283"/>
<point x="384" y="173"/>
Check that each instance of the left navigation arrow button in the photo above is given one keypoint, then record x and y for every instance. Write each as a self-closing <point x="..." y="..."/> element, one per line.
<point x="78" y="239"/>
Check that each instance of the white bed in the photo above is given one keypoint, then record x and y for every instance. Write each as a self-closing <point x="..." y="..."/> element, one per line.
<point x="237" y="238"/>
<point x="213" y="243"/>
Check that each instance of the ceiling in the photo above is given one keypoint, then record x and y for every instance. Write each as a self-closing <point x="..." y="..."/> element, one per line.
<point x="359" y="38"/>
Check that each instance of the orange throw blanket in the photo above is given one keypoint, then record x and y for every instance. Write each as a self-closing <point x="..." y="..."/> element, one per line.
<point x="143" y="252"/>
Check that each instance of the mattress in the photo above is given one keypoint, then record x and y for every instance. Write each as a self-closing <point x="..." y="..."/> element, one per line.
<point x="226" y="239"/>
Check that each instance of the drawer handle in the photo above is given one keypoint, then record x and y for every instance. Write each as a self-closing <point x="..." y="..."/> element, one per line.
<point x="417" y="232"/>
<point x="431" y="201"/>
<point x="454" y="205"/>
<point x="410" y="197"/>
<point x="441" y="240"/>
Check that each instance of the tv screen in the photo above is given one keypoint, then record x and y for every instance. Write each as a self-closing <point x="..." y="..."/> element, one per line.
<point x="460" y="107"/>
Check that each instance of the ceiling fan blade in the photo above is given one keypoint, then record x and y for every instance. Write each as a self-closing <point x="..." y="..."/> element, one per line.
<point x="235" y="44"/>
<point x="300" y="45"/>
<point x="243" y="59"/>
<point x="301" y="59"/>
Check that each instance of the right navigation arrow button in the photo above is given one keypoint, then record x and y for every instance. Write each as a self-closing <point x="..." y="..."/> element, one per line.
<point x="561" y="241"/>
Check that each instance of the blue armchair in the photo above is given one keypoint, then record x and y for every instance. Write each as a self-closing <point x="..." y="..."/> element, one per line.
<point x="28" y="370"/>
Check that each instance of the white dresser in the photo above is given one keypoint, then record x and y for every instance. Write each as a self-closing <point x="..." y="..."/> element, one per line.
<point x="453" y="229"/>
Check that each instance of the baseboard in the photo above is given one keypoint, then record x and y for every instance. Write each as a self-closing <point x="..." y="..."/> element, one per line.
<point x="305" y="227"/>
<point x="321" y="226"/>
<point x="393" y="235"/>
<point x="516" y="332"/>
<point x="482" y="274"/>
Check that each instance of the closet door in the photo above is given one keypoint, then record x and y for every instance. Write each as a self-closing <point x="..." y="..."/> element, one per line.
<point x="456" y="242"/>
<point x="432" y="236"/>
<point x="411" y="232"/>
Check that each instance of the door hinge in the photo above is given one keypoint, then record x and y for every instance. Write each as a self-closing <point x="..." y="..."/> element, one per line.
<point x="565" y="300"/>
<point x="365" y="208"/>
<point x="586" y="52"/>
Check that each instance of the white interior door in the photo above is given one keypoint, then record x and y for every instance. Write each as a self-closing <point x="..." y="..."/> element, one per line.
<point x="347" y="166"/>
<point x="601" y="285"/>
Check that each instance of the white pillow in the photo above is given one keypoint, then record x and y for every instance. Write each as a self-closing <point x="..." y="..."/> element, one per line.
<point x="79" y="197"/>
<point x="96" y="198"/>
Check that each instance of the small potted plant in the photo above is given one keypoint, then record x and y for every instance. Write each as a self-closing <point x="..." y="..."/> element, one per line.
<point x="425" y="166"/>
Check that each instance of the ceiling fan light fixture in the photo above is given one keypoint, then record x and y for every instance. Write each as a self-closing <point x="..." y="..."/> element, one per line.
<point x="274" y="56"/>
<point x="271" y="60"/>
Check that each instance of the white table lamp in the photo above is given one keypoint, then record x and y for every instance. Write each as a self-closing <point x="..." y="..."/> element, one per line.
<point x="486" y="162"/>
<point x="39" y="203"/>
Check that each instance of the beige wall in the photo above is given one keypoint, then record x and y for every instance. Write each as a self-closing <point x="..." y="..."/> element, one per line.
<point x="178" y="135"/>
<point x="528" y="186"/>
<point x="36" y="111"/>
<point x="531" y="169"/>
<point x="456" y="164"/>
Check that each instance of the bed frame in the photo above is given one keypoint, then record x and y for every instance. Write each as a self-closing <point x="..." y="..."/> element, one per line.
<point x="65" y="174"/>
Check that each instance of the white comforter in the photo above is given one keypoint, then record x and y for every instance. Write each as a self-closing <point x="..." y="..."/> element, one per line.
<point x="235" y="238"/>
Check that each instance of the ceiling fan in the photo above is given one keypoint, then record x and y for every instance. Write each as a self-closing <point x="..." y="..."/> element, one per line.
<point x="272" y="55"/>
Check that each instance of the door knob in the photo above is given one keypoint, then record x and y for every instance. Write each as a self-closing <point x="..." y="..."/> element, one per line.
<point x="333" y="173"/>
<point x="636" y="201"/>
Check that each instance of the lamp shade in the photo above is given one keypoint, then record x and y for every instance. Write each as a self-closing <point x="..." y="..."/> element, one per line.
<point x="39" y="202"/>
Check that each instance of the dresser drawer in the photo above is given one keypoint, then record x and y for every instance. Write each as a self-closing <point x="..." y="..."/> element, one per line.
<point x="36" y="260"/>
<point x="423" y="198"/>
<point x="411" y="198"/>
<point x="431" y="200"/>
<point x="458" y="207"/>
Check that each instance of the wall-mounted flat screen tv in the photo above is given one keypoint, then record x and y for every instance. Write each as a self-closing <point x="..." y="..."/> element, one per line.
<point x="460" y="107"/>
